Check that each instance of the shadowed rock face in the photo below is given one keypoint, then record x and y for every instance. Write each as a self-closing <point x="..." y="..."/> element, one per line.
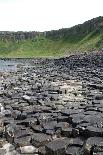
<point x="52" y="106"/>
<point x="16" y="36"/>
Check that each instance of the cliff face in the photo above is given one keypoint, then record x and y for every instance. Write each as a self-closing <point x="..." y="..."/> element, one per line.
<point x="77" y="32"/>
<point x="16" y="36"/>
<point x="83" y="37"/>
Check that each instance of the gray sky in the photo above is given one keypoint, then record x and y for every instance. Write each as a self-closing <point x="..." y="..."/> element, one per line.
<point x="43" y="15"/>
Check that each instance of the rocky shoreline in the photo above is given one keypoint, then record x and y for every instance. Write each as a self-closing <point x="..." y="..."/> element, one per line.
<point x="53" y="107"/>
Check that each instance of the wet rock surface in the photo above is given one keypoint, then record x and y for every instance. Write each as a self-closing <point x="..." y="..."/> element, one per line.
<point x="52" y="106"/>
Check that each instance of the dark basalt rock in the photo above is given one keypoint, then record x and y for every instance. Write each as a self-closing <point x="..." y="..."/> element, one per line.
<point x="72" y="150"/>
<point x="36" y="128"/>
<point x="61" y="125"/>
<point x="49" y="126"/>
<point x="67" y="132"/>
<point x="40" y="139"/>
<point x="91" y="131"/>
<point x="42" y="151"/>
<point x="93" y="119"/>
<point x="15" y="132"/>
<point x="53" y="104"/>
<point x="76" y="142"/>
<point x="22" y="141"/>
<point x="57" y="146"/>
<point x="93" y="144"/>
<point x="97" y="86"/>
<point x="62" y="119"/>
<point x="28" y="121"/>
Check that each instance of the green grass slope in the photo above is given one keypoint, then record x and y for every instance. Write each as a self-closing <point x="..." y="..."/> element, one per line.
<point x="80" y="38"/>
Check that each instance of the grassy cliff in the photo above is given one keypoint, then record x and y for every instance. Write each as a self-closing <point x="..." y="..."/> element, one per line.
<point x="80" y="38"/>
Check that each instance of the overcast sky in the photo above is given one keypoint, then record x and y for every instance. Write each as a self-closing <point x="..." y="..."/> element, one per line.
<point x="43" y="15"/>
